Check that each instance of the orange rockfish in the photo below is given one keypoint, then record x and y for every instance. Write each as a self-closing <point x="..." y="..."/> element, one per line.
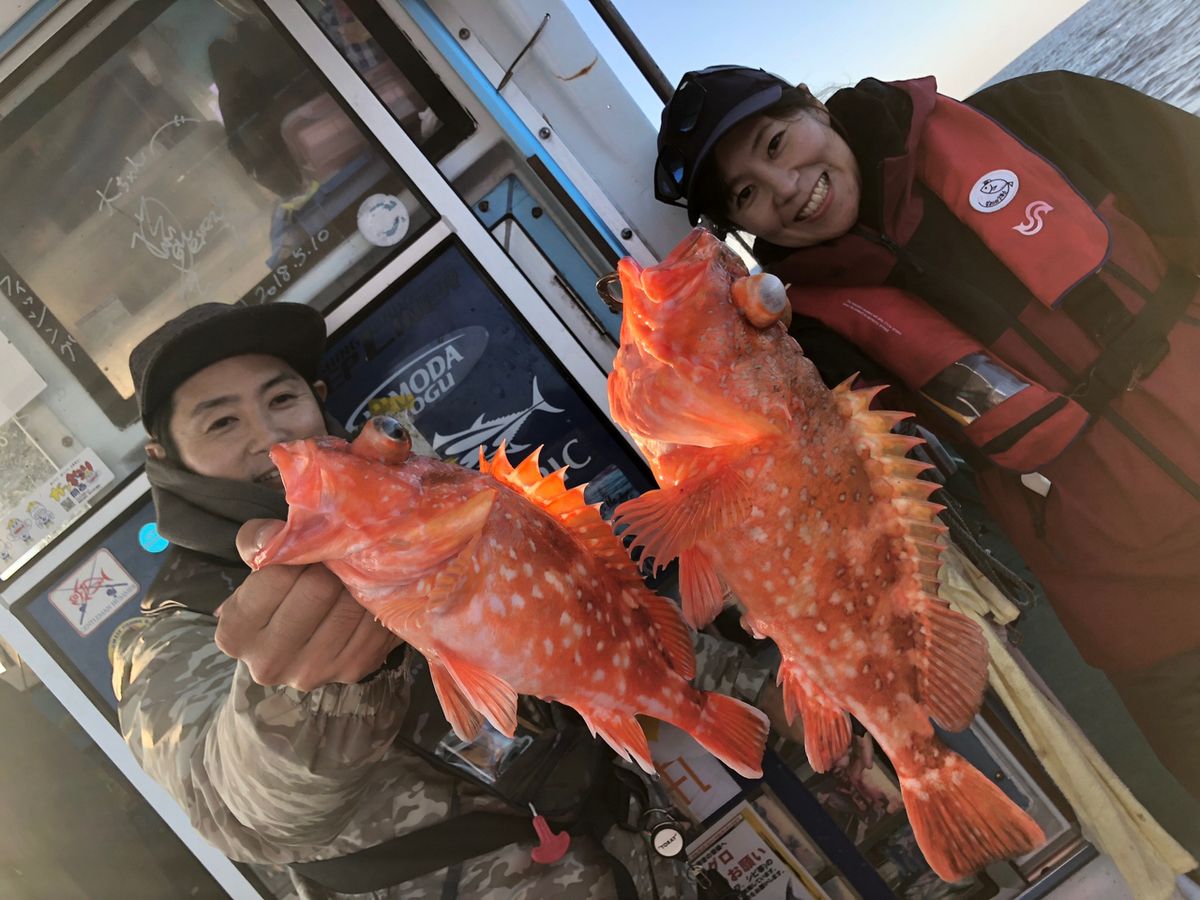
<point x="800" y="501"/>
<point x="508" y="583"/>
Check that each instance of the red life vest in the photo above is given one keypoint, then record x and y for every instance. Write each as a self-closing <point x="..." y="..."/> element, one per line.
<point x="1054" y="241"/>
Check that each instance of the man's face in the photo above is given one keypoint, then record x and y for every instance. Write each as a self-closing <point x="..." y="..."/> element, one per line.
<point x="226" y="417"/>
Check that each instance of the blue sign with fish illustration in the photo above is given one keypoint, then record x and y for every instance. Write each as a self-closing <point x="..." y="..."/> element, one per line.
<point x="445" y="346"/>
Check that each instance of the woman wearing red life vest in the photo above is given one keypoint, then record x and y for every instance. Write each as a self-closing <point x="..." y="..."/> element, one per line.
<point x="1026" y="263"/>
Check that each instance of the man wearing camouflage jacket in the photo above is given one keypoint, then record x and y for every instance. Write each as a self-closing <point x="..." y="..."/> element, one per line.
<point x="261" y="701"/>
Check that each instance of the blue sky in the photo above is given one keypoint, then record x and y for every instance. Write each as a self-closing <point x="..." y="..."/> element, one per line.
<point x="830" y="44"/>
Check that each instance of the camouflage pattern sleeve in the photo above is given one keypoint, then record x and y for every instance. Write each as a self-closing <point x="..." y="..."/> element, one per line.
<point x="728" y="668"/>
<point x="265" y="774"/>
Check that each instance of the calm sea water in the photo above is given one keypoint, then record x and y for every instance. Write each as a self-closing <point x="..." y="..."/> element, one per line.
<point x="1150" y="45"/>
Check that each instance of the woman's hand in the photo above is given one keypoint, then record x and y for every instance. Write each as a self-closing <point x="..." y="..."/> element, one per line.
<point x="298" y="625"/>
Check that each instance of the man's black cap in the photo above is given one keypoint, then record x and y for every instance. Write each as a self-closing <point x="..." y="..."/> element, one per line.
<point x="705" y="105"/>
<point x="211" y="332"/>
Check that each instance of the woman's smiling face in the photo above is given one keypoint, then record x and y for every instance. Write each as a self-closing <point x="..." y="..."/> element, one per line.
<point x="792" y="182"/>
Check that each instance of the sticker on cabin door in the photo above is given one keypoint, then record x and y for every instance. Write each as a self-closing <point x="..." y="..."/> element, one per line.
<point x="93" y="592"/>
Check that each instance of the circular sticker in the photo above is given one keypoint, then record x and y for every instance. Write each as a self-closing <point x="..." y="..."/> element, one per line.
<point x="667" y="840"/>
<point x="151" y="540"/>
<point x="383" y="220"/>
<point x="995" y="190"/>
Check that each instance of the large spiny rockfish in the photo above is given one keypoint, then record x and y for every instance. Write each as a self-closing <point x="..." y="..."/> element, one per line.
<point x="508" y="583"/>
<point x="800" y="500"/>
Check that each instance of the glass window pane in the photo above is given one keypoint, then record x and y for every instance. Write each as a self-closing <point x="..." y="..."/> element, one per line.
<point x="187" y="154"/>
<point x="158" y="154"/>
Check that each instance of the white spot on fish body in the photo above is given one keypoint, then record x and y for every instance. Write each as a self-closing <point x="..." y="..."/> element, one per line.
<point x="536" y="592"/>
<point x="528" y="570"/>
<point x="598" y="675"/>
<point x="518" y="601"/>
<point x="758" y="535"/>
<point x="548" y="646"/>
<point x="599" y="646"/>
<point x="565" y="619"/>
<point x="822" y="627"/>
<point x="496" y="604"/>
<point x="578" y="629"/>
<point x="508" y="574"/>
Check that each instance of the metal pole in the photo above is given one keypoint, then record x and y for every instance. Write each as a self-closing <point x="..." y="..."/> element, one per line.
<point x="637" y="51"/>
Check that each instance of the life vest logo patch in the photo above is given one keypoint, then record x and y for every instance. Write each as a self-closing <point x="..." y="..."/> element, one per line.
<point x="994" y="191"/>
<point x="1033" y="218"/>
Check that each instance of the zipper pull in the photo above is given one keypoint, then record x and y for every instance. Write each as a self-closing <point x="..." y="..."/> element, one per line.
<point x="551" y="846"/>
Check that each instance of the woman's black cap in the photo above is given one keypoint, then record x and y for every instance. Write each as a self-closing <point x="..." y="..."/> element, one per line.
<point x="705" y="105"/>
<point x="211" y="332"/>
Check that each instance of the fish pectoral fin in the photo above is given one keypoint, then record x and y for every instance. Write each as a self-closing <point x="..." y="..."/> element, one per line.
<point x="953" y="665"/>
<point x="826" y="725"/>
<point x="669" y="520"/>
<point x="457" y="579"/>
<point x="700" y="587"/>
<point x="459" y="682"/>
<point x="622" y="732"/>
<point x="673" y="410"/>
<point x="435" y="540"/>
<point x="396" y="613"/>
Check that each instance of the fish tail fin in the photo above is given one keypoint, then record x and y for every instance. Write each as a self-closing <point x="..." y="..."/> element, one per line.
<point x="734" y="732"/>
<point x="962" y="821"/>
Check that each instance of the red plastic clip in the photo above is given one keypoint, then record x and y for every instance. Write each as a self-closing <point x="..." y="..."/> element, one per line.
<point x="551" y="847"/>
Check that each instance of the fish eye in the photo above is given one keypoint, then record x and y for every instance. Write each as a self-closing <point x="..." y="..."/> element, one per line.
<point x="391" y="428"/>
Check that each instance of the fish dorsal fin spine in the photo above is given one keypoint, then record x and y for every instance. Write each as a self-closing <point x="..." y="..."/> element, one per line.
<point x="954" y="659"/>
<point x="583" y="520"/>
<point x="551" y="494"/>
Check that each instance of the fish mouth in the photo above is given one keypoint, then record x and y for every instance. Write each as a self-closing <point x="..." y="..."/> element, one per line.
<point x="271" y="478"/>
<point x="818" y="200"/>
<point x="292" y="460"/>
